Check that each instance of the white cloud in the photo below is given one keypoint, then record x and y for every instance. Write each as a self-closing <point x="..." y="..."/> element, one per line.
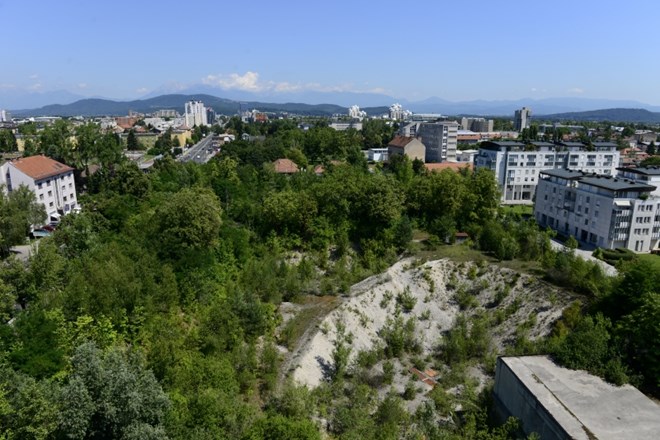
<point x="33" y="76"/>
<point x="248" y="82"/>
<point x="142" y="90"/>
<point x="576" y="90"/>
<point x="82" y="85"/>
<point x="251" y="82"/>
<point x="35" y="87"/>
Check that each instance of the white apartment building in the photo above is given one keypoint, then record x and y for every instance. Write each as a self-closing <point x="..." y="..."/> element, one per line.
<point x="517" y="165"/>
<point x="52" y="183"/>
<point x="355" y="112"/>
<point x="195" y="114"/>
<point x="599" y="210"/>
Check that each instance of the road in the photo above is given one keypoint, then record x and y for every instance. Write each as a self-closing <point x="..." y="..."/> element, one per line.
<point x="201" y="152"/>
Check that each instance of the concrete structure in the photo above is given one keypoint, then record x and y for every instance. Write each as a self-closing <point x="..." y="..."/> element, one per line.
<point x="603" y="211"/>
<point x="407" y="146"/>
<point x="521" y="119"/>
<point x="440" y="139"/>
<point x="341" y="126"/>
<point x="477" y="124"/>
<point x="397" y="112"/>
<point x="195" y="114"/>
<point x="517" y="165"/>
<point x="5" y="116"/>
<point x="466" y="155"/>
<point x="166" y="113"/>
<point x="354" y="112"/>
<point x="52" y="183"/>
<point x="378" y="154"/>
<point x="558" y="403"/>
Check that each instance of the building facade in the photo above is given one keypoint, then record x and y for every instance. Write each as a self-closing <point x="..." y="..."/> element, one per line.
<point x="517" y="165"/>
<point x="599" y="210"/>
<point x="522" y="119"/>
<point x="195" y="114"/>
<point x="406" y="146"/>
<point x="440" y="140"/>
<point x="52" y="183"/>
<point x="477" y="124"/>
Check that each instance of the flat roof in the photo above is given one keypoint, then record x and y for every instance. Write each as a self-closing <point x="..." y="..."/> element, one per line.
<point x="586" y="406"/>
<point x="616" y="183"/>
<point x="563" y="173"/>
<point x="647" y="171"/>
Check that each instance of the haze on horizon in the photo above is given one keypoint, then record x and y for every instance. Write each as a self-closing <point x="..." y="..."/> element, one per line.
<point x="456" y="51"/>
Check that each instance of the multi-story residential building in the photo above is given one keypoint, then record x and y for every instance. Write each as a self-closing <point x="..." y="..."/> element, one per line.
<point x="521" y="119"/>
<point x="165" y="113"/>
<point x="599" y="210"/>
<point x="195" y="114"/>
<point x="397" y="112"/>
<point x="5" y="116"/>
<point x="440" y="140"/>
<point x="477" y="124"/>
<point x="517" y="165"/>
<point x="52" y="183"/>
<point x="354" y="112"/>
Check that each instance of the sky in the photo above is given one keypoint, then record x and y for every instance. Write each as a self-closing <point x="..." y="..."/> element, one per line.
<point x="481" y="49"/>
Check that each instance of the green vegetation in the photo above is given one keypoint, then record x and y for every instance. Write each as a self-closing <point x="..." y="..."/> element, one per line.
<point x="153" y="313"/>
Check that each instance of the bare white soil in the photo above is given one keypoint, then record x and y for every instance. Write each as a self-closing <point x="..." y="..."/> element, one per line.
<point x="434" y="285"/>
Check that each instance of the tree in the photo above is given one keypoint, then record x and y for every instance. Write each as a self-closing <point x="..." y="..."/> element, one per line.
<point x="189" y="220"/>
<point x="55" y="141"/>
<point x="111" y="395"/>
<point x="18" y="211"/>
<point x="7" y="141"/>
<point x="651" y="149"/>
<point x="132" y="142"/>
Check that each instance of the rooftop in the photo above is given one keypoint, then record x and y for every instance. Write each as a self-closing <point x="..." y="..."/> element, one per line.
<point x="401" y="141"/>
<point x="647" y="171"/>
<point x="584" y="405"/>
<point x="601" y="181"/>
<point x="285" y="166"/>
<point x="40" y="167"/>
<point x="563" y="173"/>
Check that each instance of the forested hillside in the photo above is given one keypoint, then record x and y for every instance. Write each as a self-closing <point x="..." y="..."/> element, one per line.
<point x="153" y="313"/>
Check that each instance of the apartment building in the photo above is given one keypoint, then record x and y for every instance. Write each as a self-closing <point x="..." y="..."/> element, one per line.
<point x="600" y="210"/>
<point x="522" y="119"/>
<point x="52" y="183"/>
<point x="517" y="165"/>
<point x="440" y="139"/>
<point x="195" y="114"/>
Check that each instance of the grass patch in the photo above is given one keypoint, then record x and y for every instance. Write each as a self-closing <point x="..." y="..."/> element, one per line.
<point x="522" y="210"/>
<point x="314" y="309"/>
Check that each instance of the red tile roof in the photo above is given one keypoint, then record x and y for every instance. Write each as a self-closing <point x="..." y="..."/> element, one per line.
<point x="285" y="166"/>
<point x="400" y="141"/>
<point x="40" y="167"/>
<point x="456" y="166"/>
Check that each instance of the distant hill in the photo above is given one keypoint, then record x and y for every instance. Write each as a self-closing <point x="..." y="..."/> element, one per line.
<point x="636" y="115"/>
<point x="106" y="107"/>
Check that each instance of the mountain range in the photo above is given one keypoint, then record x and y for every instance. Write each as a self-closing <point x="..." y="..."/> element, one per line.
<point x="316" y="103"/>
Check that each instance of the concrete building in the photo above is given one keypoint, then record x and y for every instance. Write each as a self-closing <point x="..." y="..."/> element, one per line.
<point x="517" y="165"/>
<point x="354" y="112"/>
<point x="195" y="114"/>
<point x="397" y="112"/>
<point x="522" y="119"/>
<point x="341" y="126"/>
<point x="601" y="211"/>
<point x="5" y="116"/>
<point x="407" y="146"/>
<point x="561" y="404"/>
<point x="377" y="154"/>
<point x="477" y="124"/>
<point x="440" y="140"/>
<point x="466" y="156"/>
<point x="52" y="183"/>
<point x="165" y="113"/>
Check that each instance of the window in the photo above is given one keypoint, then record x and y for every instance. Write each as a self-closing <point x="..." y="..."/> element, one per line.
<point x="586" y="210"/>
<point x="71" y="196"/>
<point x="41" y="196"/>
<point x="50" y="194"/>
<point x="47" y="182"/>
<point x="596" y="213"/>
<point x="588" y="199"/>
<point x="50" y="204"/>
<point x="70" y="185"/>
<point x="40" y="185"/>
<point x="64" y="198"/>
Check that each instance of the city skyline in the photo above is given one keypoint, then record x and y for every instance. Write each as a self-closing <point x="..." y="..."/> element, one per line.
<point x="486" y="51"/>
